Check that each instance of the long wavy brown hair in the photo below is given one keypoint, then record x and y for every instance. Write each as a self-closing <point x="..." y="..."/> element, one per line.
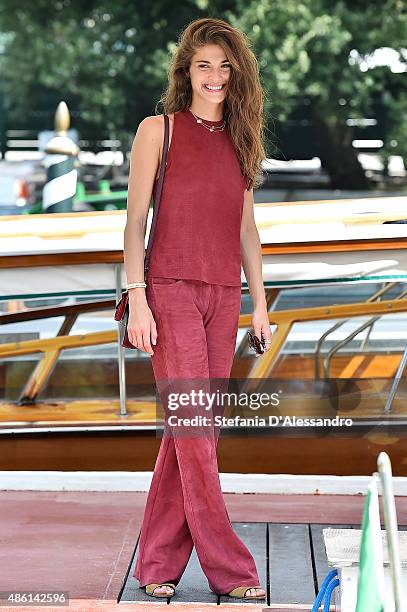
<point x="244" y="100"/>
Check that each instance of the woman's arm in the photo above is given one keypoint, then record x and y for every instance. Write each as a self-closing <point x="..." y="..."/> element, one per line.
<point x="252" y="266"/>
<point x="144" y="159"/>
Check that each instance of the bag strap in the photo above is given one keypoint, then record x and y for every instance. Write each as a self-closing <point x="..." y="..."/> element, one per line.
<point x="156" y="203"/>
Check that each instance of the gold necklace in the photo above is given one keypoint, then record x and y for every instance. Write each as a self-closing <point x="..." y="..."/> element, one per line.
<point x="211" y="128"/>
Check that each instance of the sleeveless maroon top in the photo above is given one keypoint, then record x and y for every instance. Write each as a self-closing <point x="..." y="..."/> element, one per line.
<point x="197" y="233"/>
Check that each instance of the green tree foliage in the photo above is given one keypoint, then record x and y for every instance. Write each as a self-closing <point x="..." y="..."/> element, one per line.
<point x="110" y="59"/>
<point x="321" y="50"/>
<point x="107" y="57"/>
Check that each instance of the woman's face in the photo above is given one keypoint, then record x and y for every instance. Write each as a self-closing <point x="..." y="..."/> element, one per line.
<point x="210" y="67"/>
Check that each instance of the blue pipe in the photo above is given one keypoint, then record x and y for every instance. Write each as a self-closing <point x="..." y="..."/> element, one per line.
<point x="324" y="586"/>
<point x="331" y="586"/>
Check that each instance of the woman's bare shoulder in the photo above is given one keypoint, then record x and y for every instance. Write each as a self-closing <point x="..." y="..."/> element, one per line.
<point x="154" y="124"/>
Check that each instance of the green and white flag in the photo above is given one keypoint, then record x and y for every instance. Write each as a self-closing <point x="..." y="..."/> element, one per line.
<point x="370" y="597"/>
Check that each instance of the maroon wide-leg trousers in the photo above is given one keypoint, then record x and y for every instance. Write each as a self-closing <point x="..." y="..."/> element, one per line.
<point x="197" y="324"/>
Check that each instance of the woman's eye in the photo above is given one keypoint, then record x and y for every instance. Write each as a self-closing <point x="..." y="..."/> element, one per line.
<point x="225" y="66"/>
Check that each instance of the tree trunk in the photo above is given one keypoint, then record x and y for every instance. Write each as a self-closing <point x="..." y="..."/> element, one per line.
<point x="338" y="156"/>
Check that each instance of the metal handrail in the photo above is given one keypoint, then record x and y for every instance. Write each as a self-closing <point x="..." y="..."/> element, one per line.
<point x="351" y="336"/>
<point x="396" y="381"/>
<point x="284" y="320"/>
<point x="336" y="326"/>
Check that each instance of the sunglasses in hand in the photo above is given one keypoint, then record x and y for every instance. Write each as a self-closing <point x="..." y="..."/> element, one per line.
<point x="256" y="344"/>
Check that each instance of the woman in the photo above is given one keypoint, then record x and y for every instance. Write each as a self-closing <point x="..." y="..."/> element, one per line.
<point x="189" y="311"/>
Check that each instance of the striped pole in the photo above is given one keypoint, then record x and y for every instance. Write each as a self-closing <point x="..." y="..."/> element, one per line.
<point x="61" y="163"/>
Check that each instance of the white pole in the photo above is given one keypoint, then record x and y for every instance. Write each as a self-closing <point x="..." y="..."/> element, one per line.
<point x="121" y="351"/>
<point x="390" y="521"/>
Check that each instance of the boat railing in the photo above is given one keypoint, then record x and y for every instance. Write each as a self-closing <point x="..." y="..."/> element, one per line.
<point x="340" y="344"/>
<point x="367" y="325"/>
<point x="376" y="296"/>
<point x="285" y="319"/>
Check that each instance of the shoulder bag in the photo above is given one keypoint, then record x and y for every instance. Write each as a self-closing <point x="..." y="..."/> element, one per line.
<point x="122" y="307"/>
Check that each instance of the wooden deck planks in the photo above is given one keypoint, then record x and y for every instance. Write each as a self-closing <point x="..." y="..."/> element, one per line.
<point x="254" y="535"/>
<point x="290" y="558"/>
<point x="290" y="566"/>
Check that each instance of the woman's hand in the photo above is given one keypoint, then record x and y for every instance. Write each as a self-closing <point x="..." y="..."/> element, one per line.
<point x="261" y="325"/>
<point x="141" y="327"/>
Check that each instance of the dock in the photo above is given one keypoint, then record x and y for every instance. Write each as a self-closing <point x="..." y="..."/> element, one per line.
<point x="85" y="543"/>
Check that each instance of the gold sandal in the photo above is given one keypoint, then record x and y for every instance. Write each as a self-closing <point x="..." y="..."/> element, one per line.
<point x="242" y="590"/>
<point x="150" y="588"/>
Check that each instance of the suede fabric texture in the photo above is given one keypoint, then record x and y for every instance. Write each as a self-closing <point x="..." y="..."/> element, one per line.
<point x="197" y="324"/>
<point x="197" y="234"/>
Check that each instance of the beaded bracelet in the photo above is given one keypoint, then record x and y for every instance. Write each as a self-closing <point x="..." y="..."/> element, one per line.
<point x="131" y="285"/>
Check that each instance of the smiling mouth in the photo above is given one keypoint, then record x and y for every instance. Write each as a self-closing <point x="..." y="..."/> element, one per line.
<point x="215" y="89"/>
